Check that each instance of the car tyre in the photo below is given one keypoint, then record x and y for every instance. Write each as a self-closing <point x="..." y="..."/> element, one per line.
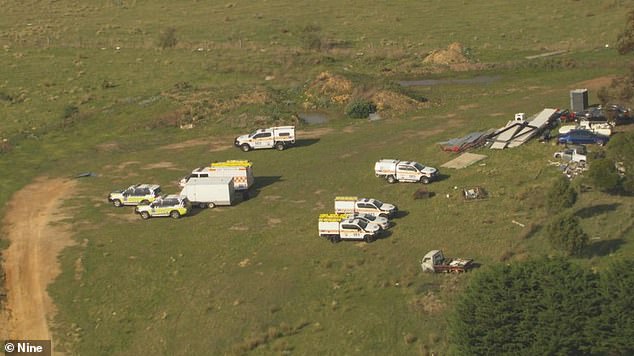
<point x="145" y="215"/>
<point x="245" y="147"/>
<point x="211" y="205"/>
<point x="424" y="180"/>
<point x="280" y="146"/>
<point x="117" y="203"/>
<point x="175" y="214"/>
<point x="368" y="238"/>
<point x="391" y="179"/>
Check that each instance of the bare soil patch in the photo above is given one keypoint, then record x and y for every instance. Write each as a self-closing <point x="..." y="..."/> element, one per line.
<point x="594" y="84"/>
<point x="30" y="262"/>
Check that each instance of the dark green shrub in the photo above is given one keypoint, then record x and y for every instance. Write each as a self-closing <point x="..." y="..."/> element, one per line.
<point x="561" y="195"/>
<point x="70" y="111"/>
<point x="566" y="235"/>
<point x="167" y="38"/>
<point x="360" y="108"/>
<point x="603" y="175"/>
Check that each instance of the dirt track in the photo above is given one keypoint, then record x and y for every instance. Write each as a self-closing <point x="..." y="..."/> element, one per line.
<point x="30" y="262"/>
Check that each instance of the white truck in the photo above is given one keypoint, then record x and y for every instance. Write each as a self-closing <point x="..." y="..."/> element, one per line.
<point x="241" y="171"/>
<point x="435" y="261"/>
<point x="209" y="192"/>
<point x="337" y="227"/>
<point x="279" y="137"/>
<point x="394" y="170"/>
<point x="351" y="205"/>
<point x="571" y="155"/>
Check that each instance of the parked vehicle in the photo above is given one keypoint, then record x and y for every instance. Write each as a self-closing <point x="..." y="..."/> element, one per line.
<point x="350" y="205"/>
<point x="240" y="171"/>
<point x="394" y="170"/>
<point x="582" y="137"/>
<point x="435" y="261"/>
<point x="382" y="222"/>
<point x="135" y="194"/>
<point x="571" y="154"/>
<point x="209" y="192"/>
<point x="173" y="206"/>
<point x="601" y="128"/>
<point x="337" y="227"/>
<point x="279" y="137"/>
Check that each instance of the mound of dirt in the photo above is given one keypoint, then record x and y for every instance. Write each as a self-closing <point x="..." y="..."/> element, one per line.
<point x="334" y="87"/>
<point x="454" y="54"/>
<point x="395" y="102"/>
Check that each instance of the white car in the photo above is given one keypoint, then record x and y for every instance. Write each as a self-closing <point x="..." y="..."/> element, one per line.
<point x="370" y="219"/>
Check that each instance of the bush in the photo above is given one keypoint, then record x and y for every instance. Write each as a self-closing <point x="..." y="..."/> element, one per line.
<point x="561" y="195"/>
<point x="539" y="307"/>
<point x="167" y="38"/>
<point x="565" y="234"/>
<point x="360" y="108"/>
<point x="603" y="175"/>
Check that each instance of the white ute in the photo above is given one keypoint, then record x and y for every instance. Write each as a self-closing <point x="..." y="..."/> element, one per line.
<point x="572" y="155"/>
<point x="351" y="205"/>
<point x="337" y="227"/>
<point x="279" y="137"/>
<point x="394" y="170"/>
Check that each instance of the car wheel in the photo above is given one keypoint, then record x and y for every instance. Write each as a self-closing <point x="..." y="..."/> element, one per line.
<point x="557" y="155"/>
<point x="368" y="238"/>
<point x="202" y="205"/>
<point x="424" y="180"/>
<point x="391" y="179"/>
<point x="145" y="215"/>
<point x="280" y="147"/>
<point x="175" y="214"/>
<point x="117" y="203"/>
<point x="245" y="147"/>
<point x="211" y="205"/>
<point x="601" y="143"/>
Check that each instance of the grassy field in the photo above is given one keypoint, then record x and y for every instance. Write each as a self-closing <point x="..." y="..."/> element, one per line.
<point x="255" y="277"/>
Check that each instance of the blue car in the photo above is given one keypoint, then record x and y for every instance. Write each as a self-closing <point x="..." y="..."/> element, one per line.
<point x="582" y="137"/>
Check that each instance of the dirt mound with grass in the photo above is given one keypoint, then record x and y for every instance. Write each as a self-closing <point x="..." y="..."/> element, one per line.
<point x="334" y="88"/>
<point x="392" y="102"/>
<point x="454" y="54"/>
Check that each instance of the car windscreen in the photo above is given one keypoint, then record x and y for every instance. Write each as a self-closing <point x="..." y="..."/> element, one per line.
<point x="419" y="166"/>
<point x="363" y="224"/>
<point x="378" y="204"/>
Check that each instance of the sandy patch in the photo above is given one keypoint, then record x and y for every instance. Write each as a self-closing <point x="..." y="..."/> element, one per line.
<point x="161" y="165"/>
<point x="30" y="262"/>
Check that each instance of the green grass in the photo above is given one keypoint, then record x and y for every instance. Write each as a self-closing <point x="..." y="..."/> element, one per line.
<point x="186" y="287"/>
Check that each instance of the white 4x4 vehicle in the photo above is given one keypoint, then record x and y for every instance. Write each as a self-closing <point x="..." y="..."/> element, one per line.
<point x="571" y="154"/>
<point x="382" y="222"/>
<point x="394" y="170"/>
<point x="135" y="195"/>
<point x="279" y="137"/>
<point x="173" y="206"/>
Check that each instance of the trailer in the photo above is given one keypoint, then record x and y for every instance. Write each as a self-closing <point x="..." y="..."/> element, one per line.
<point x="240" y="170"/>
<point x="209" y="192"/>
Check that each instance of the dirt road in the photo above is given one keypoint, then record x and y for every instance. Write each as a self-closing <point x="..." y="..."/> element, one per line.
<point x="30" y="262"/>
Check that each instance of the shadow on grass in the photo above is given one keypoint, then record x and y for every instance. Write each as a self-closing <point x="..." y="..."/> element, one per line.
<point x="260" y="182"/>
<point x="400" y="214"/>
<point x="591" y="211"/>
<point x="306" y="142"/>
<point x="441" y="177"/>
<point x="384" y="234"/>
<point x="603" y="248"/>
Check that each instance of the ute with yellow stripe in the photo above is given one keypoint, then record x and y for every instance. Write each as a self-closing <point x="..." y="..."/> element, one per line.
<point x="337" y="227"/>
<point x="240" y="170"/>
<point x="355" y="205"/>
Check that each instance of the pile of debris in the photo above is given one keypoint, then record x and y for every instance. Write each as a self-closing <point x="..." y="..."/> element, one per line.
<point x="472" y="140"/>
<point x="454" y="54"/>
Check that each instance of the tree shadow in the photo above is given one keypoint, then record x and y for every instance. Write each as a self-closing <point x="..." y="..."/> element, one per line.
<point x="603" y="248"/>
<point x="595" y="210"/>
<point x="306" y="142"/>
